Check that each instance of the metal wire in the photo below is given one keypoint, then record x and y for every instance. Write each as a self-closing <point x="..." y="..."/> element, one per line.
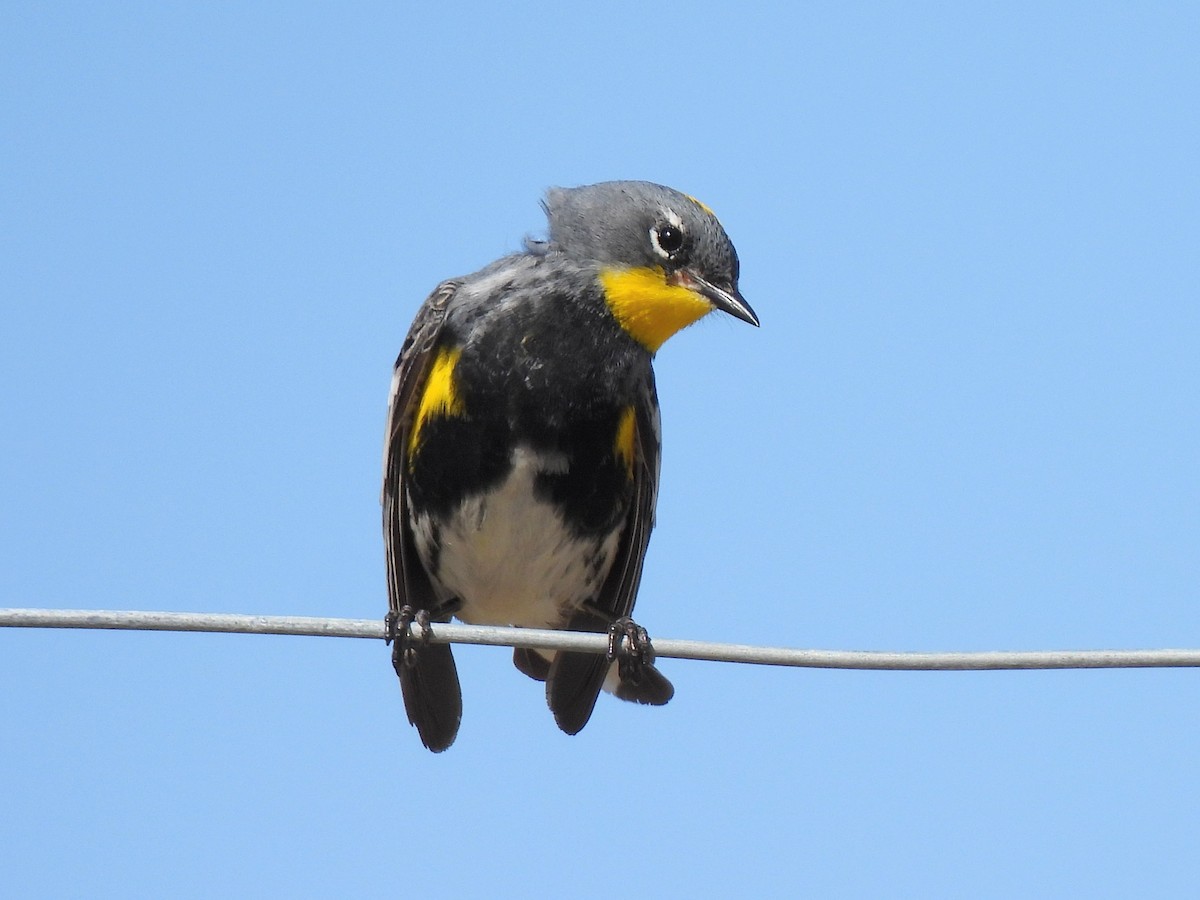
<point x="543" y="639"/>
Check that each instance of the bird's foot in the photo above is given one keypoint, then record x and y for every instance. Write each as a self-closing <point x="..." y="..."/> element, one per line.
<point x="629" y="644"/>
<point x="397" y="626"/>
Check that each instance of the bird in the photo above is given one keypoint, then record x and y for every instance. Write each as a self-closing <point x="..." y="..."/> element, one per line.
<point x="522" y="447"/>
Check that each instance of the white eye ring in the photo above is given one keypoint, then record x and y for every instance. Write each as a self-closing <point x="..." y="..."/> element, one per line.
<point x="675" y="234"/>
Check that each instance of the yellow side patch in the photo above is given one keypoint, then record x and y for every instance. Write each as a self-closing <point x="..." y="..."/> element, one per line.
<point x="702" y="205"/>
<point x="647" y="307"/>
<point x="623" y="443"/>
<point x="440" y="397"/>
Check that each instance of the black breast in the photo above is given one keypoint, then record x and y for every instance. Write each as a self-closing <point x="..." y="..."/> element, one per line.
<point x="554" y="375"/>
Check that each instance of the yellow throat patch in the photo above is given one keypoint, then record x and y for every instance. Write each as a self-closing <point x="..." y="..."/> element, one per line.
<point x="440" y="397"/>
<point x="649" y="308"/>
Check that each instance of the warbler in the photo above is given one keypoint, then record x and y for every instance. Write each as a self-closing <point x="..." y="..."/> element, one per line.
<point x="521" y="458"/>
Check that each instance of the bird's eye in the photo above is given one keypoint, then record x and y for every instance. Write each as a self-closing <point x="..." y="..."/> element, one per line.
<point x="667" y="240"/>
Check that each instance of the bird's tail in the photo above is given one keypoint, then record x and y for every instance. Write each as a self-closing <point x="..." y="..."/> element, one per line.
<point x="432" y="696"/>
<point x="574" y="680"/>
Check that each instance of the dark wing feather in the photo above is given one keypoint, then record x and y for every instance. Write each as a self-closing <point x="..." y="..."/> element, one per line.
<point x="428" y="679"/>
<point x="620" y="588"/>
<point x="575" y="679"/>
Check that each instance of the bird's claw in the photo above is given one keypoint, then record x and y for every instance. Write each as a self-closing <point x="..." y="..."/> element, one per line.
<point x="397" y="626"/>
<point x="629" y="644"/>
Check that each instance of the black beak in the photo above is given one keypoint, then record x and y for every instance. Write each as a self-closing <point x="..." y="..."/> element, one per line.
<point x="727" y="301"/>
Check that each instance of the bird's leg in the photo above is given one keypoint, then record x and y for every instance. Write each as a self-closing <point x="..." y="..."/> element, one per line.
<point x="629" y="644"/>
<point x="397" y="626"/>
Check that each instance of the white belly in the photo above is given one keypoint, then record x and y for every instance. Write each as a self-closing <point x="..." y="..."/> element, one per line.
<point x="511" y="560"/>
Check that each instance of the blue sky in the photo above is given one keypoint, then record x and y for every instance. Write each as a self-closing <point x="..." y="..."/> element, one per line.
<point x="969" y="421"/>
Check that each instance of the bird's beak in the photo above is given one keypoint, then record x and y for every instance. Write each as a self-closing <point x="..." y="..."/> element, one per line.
<point x="727" y="301"/>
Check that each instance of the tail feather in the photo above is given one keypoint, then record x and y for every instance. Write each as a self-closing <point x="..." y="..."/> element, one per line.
<point x="531" y="663"/>
<point x="645" y="685"/>
<point x="432" y="696"/>
<point x="572" y="686"/>
<point x="575" y="679"/>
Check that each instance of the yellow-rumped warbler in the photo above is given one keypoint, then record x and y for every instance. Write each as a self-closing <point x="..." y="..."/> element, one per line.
<point x="522" y="449"/>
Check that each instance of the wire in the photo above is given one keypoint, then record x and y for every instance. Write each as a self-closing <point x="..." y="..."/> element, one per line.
<point x="543" y="639"/>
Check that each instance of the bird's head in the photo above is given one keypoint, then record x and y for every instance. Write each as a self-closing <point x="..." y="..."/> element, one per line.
<point x="663" y="258"/>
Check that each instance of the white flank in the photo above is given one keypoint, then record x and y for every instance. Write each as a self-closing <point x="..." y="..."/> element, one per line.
<point x="510" y="558"/>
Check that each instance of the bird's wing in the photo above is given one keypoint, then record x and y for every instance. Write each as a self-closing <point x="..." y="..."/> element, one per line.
<point x="428" y="678"/>
<point x="575" y="679"/>
<point x="408" y="384"/>
<point x="620" y="588"/>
